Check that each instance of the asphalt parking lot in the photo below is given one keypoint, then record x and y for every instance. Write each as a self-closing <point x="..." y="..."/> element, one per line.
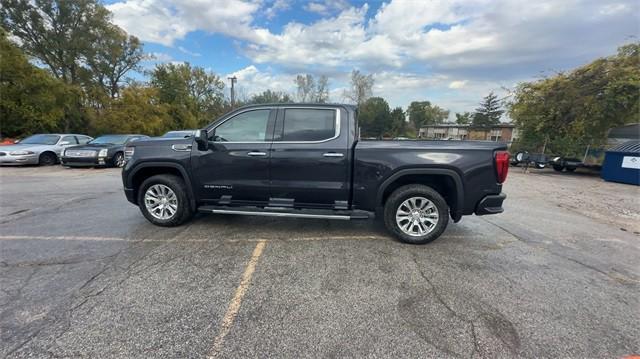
<point x="83" y="274"/>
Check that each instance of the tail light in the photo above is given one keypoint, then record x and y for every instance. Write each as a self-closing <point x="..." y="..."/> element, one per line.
<point x="502" y="165"/>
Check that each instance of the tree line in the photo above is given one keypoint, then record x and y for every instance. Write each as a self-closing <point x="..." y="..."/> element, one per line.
<point x="572" y="110"/>
<point x="65" y="67"/>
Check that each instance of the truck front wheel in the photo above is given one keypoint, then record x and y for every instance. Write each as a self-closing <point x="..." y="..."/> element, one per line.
<point x="164" y="201"/>
<point x="416" y="214"/>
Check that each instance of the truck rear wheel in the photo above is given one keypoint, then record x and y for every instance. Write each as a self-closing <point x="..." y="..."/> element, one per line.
<point x="416" y="214"/>
<point x="164" y="200"/>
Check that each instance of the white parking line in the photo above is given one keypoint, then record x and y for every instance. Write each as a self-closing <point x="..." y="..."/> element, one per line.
<point x="234" y="306"/>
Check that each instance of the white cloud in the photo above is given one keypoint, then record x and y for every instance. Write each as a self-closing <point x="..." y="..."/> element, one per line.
<point x="270" y="10"/>
<point x="253" y="81"/>
<point x="165" y="21"/>
<point x="458" y="84"/>
<point x="326" y="7"/>
<point x="450" y="51"/>
<point x="160" y="57"/>
<point x="189" y="52"/>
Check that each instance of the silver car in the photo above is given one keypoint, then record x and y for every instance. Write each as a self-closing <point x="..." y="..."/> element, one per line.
<point x="41" y="149"/>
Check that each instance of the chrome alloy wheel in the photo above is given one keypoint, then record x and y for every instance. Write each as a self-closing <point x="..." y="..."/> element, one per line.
<point x="119" y="160"/>
<point x="417" y="216"/>
<point x="161" y="201"/>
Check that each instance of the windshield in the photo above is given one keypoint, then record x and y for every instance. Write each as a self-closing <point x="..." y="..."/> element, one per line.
<point x="114" y="139"/>
<point x="178" y="134"/>
<point x="41" y="140"/>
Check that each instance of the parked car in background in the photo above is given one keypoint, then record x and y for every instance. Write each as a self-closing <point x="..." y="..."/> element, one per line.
<point x="40" y="149"/>
<point x="106" y="150"/>
<point x="179" y="134"/>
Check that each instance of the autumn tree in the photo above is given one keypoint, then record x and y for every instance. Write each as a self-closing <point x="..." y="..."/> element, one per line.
<point x="310" y="90"/>
<point x="195" y="96"/>
<point x="361" y="87"/>
<point x="137" y="110"/>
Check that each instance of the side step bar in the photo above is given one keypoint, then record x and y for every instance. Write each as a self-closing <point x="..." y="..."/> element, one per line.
<point x="292" y="213"/>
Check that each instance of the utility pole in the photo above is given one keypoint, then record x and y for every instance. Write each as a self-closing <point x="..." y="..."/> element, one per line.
<point x="233" y="91"/>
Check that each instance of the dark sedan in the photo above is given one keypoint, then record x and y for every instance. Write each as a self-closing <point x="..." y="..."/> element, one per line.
<point x="104" y="151"/>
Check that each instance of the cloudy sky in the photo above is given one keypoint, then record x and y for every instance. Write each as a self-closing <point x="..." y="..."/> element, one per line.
<point x="449" y="52"/>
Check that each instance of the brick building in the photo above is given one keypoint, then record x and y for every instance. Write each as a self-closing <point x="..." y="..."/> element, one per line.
<point x="505" y="132"/>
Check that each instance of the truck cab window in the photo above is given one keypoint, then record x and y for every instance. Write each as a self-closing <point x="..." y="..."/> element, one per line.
<point x="250" y="126"/>
<point x="309" y="124"/>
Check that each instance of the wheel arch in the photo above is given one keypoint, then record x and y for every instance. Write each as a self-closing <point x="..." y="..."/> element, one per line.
<point x="447" y="182"/>
<point x="145" y="170"/>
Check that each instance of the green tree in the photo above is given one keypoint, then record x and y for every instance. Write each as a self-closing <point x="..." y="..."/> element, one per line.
<point x="194" y="95"/>
<point x="31" y="100"/>
<point x="398" y="122"/>
<point x="374" y="117"/>
<point x="112" y="56"/>
<point x="77" y="43"/>
<point x="269" y="96"/>
<point x="423" y="113"/>
<point x="575" y="109"/>
<point x="61" y="34"/>
<point x="489" y="112"/>
<point x="464" y="118"/>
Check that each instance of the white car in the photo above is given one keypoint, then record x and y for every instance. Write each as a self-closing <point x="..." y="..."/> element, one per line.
<point x="40" y="149"/>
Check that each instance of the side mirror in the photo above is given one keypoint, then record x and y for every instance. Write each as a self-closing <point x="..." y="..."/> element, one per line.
<point x="202" y="139"/>
<point x="16" y="141"/>
<point x="64" y="143"/>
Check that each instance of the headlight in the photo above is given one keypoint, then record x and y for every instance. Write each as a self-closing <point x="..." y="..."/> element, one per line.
<point x="128" y="153"/>
<point x="20" y="153"/>
<point x="103" y="152"/>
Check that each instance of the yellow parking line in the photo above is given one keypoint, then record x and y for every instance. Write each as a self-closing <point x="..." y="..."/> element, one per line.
<point x="234" y="306"/>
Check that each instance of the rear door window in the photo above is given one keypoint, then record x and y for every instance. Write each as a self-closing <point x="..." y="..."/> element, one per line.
<point x="70" y="140"/>
<point x="304" y="125"/>
<point x="83" y="139"/>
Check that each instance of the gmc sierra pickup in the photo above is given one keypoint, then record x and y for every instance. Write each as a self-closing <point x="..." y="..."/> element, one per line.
<point x="306" y="161"/>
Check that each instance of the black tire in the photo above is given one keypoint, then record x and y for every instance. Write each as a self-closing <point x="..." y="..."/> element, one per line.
<point x="47" y="159"/>
<point x="118" y="160"/>
<point x="558" y="168"/>
<point x="415" y="190"/>
<point x="176" y="184"/>
<point x="570" y="169"/>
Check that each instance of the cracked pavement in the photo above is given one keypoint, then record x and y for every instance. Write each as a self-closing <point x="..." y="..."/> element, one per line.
<point x="83" y="274"/>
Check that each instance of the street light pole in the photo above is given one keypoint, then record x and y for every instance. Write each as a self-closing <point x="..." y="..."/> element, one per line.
<point x="233" y="91"/>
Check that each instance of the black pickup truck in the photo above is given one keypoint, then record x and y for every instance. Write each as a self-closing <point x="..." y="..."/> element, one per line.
<point x="306" y="161"/>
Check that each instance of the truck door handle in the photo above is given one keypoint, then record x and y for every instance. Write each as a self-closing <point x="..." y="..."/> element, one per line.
<point x="256" y="154"/>
<point x="333" y="154"/>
